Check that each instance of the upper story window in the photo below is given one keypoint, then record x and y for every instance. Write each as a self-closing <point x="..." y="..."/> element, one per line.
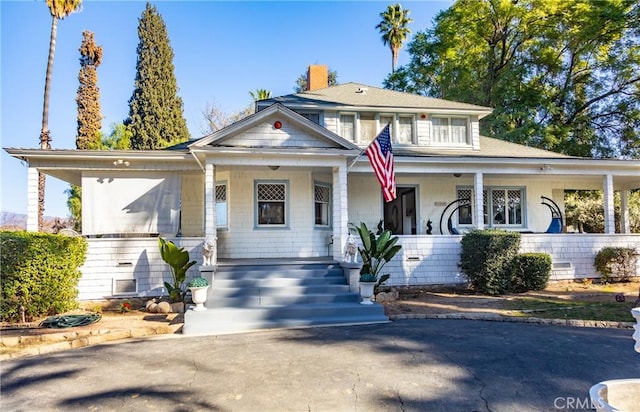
<point x="365" y="126"/>
<point x="405" y="129"/>
<point x="348" y="126"/>
<point x="313" y="116"/>
<point x="368" y="129"/>
<point x="450" y="130"/>
<point x="271" y="204"/>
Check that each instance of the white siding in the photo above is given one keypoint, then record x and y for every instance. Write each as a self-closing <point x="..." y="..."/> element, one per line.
<point x="266" y="135"/>
<point x="331" y="121"/>
<point x="423" y="130"/>
<point x="125" y="259"/>
<point x="299" y="239"/>
<point x="192" y="216"/>
<point x="429" y="260"/>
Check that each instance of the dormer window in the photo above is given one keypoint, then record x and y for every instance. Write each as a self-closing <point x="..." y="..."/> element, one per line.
<point x="450" y="130"/>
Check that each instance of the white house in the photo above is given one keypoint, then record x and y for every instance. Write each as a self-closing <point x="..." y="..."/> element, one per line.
<point x="286" y="182"/>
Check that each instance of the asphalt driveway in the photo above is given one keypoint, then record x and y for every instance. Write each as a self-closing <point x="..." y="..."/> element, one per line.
<point x="409" y="365"/>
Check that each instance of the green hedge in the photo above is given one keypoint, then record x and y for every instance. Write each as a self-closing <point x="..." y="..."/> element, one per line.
<point x="40" y="272"/>
<point x="616" y="263"/>
<point x="486" y="259"/>
<point x="530" y="271"/>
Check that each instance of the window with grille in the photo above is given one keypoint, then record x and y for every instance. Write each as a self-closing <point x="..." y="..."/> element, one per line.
<point x="271" y="202"/>
<point x="322" y="204"/>
<point x="506" y="206"/>
<point x="449" y="130"/>
<point x="221" y="205"/>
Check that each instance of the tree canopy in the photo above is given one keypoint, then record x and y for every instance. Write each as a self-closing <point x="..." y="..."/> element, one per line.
<point x="156" y="117"/>
<point x="562" y="76"/>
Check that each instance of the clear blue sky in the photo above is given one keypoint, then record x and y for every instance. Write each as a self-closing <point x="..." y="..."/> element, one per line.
<point x="223" y="50"/>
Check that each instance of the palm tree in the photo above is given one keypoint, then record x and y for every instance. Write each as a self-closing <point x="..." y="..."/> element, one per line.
<point x="260" y="94"/>
<point x="394" y="30"/>
<point x="59" y="10"/>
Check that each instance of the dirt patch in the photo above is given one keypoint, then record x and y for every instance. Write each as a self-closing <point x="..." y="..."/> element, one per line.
<point x="455" y="299"/>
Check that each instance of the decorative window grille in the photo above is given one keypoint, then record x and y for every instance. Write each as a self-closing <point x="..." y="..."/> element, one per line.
<point x="221" y="206"/>
<point x="271" y="204"/>
<point x="506" y="206"/>
<point x="322" y="203"/>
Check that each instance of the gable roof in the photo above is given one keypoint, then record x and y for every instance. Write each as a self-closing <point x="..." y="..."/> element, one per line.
<point x="357" y="95"/>
<point x="324" y="137"/>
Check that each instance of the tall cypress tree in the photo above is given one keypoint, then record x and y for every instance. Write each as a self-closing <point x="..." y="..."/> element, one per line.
<point x="89" y="115"/>
<point x="156" y="118"/>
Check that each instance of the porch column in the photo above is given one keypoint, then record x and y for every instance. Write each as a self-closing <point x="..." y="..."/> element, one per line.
<point x="210" y="200"/>
<point x="625" y="223"/>
<point x="478" y="209"/>
<point x="32" y="199"/>
<point x="609" y="217"/>
<point x="340" y="211"/>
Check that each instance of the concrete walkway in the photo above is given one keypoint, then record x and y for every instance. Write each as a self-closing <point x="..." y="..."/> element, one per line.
<point x="408" y="365"/>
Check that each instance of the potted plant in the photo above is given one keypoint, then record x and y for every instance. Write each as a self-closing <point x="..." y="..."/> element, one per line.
<point x="178" y="259"/>
<point x="375" y="252"/>
<point x="198" y="288"/>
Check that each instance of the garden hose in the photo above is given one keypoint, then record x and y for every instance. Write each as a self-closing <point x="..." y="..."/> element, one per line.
<point x="70" y="321"/>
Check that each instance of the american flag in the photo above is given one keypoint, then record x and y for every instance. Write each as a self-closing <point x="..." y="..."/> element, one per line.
<point x="381" y="159"/>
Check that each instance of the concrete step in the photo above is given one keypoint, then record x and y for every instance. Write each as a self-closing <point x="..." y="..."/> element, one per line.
<point x="279" y="294"/>
<point x="278" y="282"/>
<point x="236" y="320"/>
<point x="283" y="299"/>
<point x="229" y="292"/>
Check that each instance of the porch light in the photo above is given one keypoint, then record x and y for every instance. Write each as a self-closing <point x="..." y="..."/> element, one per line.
<point x="545" y="168"/>
<point x="274" y="168"/>
<point x="121" y="162"/>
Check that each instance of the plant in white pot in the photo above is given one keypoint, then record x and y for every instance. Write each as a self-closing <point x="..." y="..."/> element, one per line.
<point x="375" y="252"/>
<point x="178" y="260"/>
<point x="198" y="288"/>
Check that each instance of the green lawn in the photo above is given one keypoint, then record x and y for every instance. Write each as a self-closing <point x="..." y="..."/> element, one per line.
<point x="571" y="309"/>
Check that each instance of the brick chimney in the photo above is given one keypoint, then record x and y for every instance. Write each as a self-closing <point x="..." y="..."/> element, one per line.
<point x="317" y="77"/>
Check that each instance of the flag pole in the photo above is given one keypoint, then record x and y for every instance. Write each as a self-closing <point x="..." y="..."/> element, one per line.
<point x="355" y="160"/>
<point x="364" y="150"/>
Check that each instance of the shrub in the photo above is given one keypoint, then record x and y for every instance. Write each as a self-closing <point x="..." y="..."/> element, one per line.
<point x="530" y="271"/>
<point x="40" y="272"/>
<point x="486" y="258"/>
<point x="616" y="263"/>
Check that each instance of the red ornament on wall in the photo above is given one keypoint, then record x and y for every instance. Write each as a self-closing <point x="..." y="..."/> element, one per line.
<point x="277" y="124"/>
